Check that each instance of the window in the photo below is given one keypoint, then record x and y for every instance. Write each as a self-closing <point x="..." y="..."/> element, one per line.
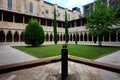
<point x="31" y="7"/>
<point x="9" y="4"/>
<point x="47" y="11"/>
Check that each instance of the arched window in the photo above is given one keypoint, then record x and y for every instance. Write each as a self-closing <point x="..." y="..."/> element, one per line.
<point x="31" y="7"/>
<point x="9" y="4"/>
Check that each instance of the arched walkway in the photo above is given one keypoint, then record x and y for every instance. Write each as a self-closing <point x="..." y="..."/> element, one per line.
<point x="22" y="37"/>
<point x="64" y="37"/>
<point x="73" y="37"/>
<point x="9" y="36"/>
<point x="70" y="37"/>
<point x="61" y="37"/>
<point x="2" y="36"/>
<point x="81" y="37"/>
<point x="51" y="37"/>
<point x="58" y="37"/>
<point x="113" y="37"/>
<point x="90" y="37"/>
<point x="47" y="37"/>
<point x="16" y="37"/>
<point x="119" y="37"/>
<point x="106" y="37"/>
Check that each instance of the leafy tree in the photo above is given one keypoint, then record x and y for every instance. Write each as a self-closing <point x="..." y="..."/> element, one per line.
<point x="34" y="34"/>
<point x="66" y="28"/>
<point x="101" y="18"/>
<point x="55" y="28"/>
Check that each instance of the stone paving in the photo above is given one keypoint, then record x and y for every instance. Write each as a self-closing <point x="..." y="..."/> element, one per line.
<point x="52" y="72"/>
<point x="113" y="58"/>
<point x="9" y="55"/>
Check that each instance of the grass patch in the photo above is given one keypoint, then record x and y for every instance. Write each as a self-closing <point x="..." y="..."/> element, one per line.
<point x="90" y="52"/>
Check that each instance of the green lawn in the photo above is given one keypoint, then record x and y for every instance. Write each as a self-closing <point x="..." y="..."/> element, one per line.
<point x="90" y="52"/>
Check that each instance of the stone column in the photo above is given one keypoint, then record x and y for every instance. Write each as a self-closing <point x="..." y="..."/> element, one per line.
<point x="46" y="23"/>
<point x="23" y="19"/>
<point x="116" y="37"/>
<point x="13" y="18"/>
<point x="2" y="16"/>
<point x="87" y="37"/>
<point x="109" y="37"/>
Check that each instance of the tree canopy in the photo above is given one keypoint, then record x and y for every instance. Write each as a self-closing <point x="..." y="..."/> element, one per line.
<point x="34" y="34"/>
<point x="102" y="17"/>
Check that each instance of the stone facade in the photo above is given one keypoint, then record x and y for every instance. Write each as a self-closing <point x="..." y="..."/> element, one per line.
<point x="15" y="15"/>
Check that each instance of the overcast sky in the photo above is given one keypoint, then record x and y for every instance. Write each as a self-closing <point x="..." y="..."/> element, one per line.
<point x="70" y="3"/>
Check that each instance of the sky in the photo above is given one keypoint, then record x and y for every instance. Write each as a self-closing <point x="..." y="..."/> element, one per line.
<point x="70" y="3"/>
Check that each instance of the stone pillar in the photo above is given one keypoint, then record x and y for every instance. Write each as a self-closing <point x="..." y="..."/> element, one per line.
<point x="109" y="37"/>
<point x="23" y="19"/>
<point x="87" y="37"/>
<point x="116" y="37"/>
<point x="13" y="18"/>
<point x="83" y="37"/>
<point x="103" y="38"/>
<point x="46" y="23"/>
<point x="2" y="16"/>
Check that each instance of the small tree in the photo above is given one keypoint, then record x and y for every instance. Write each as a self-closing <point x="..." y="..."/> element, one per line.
<point x="66" y="28"/>
<point x="55" y="28"/>
<point x="34" y="34"/>
<point x="101" y="18"/>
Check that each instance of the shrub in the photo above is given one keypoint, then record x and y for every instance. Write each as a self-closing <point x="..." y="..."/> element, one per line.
<point x="34" y="34"/>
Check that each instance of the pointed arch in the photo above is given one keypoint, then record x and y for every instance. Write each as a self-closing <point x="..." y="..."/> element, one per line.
<point x="64" y="37"/>
<point x="51" y="37"/>
<point x="58" y="37"/>
<point x="90" y="37"/>
<point x="47" y="37"/>
<point x="119" y="36"/>
<point x="9" y="36"/>
<point x="22" y="37"/>
<point x="70" y="37"/>
<point x="106" y="37"/>
<point x="74" y="37"/>
<point x="2" y="36"/>
<point x="113" y="37"/>
<point x="61" y="37"/>
<point x="16" y="37"/>
<point x="81" y="37"/>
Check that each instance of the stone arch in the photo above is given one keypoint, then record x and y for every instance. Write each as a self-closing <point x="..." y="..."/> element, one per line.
<point x="2" y="36"/>
<point x="81" y="37"/>
<point x="16" y="37"/>
<point x="51" y="37"/>
<point x="85" y="37"/>
<point x="9" y="36"/>
<point x="119" y="36"/>
<point x="74" y="37"/>
<point x="22" y="37"/>
<point x="64" y="37"/>
<point x="90" y="37"/>
<point x="61" y="37"/>
<point x="113" y="37"/>
<point x="106" y="37"/>
<point x="47" y="37"/>
<point x="58" y="37"/>
<point x="70" y="37"/>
